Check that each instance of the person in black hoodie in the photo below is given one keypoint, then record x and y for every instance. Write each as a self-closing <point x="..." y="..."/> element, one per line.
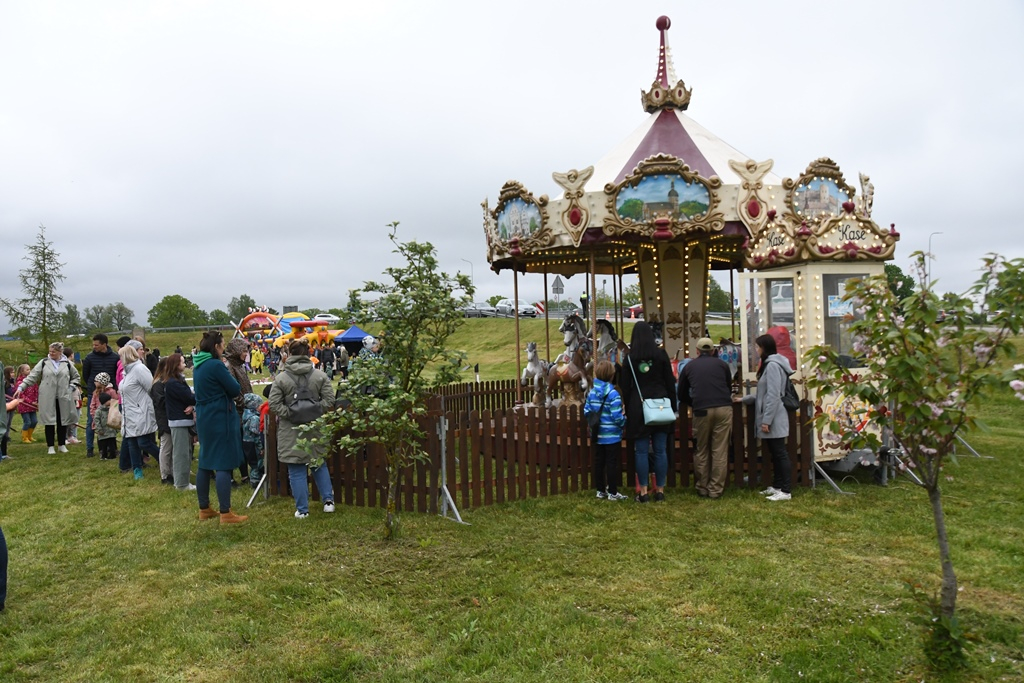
<point x="101" y="359"/>
<point x="647" y="373"/>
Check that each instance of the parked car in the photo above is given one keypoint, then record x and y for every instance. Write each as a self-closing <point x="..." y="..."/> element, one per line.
<point x="479" y="309"/>
<point x="508" y="308"/>
<point x="634" y="311"/>
<point x="327" y="317"/>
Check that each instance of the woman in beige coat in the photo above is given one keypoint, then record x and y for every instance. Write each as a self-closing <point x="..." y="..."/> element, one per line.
<point x="57" y="379"/>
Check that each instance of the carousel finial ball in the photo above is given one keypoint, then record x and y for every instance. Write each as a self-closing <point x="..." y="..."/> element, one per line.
<point x="663" y="23"/>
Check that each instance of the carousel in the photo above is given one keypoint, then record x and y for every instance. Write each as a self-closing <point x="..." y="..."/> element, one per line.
<point x="673" y="202"/>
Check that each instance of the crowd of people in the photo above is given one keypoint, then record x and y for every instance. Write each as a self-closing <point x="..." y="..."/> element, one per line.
<point x="135" y="395"/>
<point x="705" y="385"/>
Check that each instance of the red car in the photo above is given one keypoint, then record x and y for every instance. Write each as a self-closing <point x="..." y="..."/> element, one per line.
<point x="634" y="311"/>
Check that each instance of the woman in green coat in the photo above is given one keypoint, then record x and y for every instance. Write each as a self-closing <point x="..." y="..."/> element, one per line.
<point x="219" y="428"/>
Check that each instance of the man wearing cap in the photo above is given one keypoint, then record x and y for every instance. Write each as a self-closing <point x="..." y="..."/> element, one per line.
<point x="705" y="383"/>
<point x="100" y="359"/>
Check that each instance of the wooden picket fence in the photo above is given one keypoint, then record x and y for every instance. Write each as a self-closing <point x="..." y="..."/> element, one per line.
<point x="498" y="452"/>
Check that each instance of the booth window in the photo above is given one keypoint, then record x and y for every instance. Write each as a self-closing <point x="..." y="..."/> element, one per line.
<point x="773" y="311"/>
<point x="839" y="315"/>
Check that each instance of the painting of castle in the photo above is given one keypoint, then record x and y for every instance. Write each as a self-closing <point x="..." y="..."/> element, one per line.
<point x="667" y="195"/>
<point x="518" y="219"/>
<point x="818" y="198"/>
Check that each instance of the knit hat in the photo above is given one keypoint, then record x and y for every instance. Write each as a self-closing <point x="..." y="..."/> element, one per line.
<point x="135" y="344"/>
<point x="102" y="378"/>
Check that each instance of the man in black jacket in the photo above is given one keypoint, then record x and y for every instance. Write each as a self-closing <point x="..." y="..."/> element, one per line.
<point x="101" y="359"/>
<point x="706" y="384"/>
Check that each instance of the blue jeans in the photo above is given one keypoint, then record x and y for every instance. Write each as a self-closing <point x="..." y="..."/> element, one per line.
<point x="90" y="435"/>
<point x="137" y="444"/>
<point x="222" y="479"/>
<point x="642" y="446"/>
<point x="29" y="421"/>
<point x="3" y="569"/>
<point x="300" y="488"/>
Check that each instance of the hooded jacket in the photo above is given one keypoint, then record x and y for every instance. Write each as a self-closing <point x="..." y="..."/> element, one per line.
<point x="234" y="359"/>
<point x="217" y="421"/>
<point x="768" y="408"/>
<point x="284" y="386"/>
<point x="137" y="414"/>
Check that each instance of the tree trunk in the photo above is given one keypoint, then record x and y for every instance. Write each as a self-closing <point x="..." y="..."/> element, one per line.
<point x="949" y="587"/>
<point x="391" y="518"/>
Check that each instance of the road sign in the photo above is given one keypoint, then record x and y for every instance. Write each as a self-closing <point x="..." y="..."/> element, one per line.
<point x="557" y="287"/>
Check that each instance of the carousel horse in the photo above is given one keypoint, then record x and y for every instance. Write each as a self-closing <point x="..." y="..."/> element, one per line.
<point x="535" y="372"/>
<point x="607" y="341"/>
<point x="729" y="351"/>
<point x="569" y="368"/>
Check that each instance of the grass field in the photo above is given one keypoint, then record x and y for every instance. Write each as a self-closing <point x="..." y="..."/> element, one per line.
<point x="113" y="580"/>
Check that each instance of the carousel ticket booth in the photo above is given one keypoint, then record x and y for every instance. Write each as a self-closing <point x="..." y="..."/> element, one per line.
<point x="672" y="203"/>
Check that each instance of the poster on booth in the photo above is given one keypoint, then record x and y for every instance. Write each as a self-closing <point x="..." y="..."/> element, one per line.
<point x="851" y="413"/>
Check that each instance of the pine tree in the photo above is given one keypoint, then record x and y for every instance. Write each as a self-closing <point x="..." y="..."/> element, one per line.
<point x="38" y="311"/>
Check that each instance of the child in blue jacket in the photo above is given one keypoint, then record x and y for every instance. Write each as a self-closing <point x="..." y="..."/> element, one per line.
<point x="605" y="400"/>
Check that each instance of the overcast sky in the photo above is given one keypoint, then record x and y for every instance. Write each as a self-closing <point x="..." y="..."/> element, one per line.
<point x="210" y="149"/>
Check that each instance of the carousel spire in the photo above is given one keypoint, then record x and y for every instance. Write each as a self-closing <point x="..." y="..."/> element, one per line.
<point x="663" y="94"/>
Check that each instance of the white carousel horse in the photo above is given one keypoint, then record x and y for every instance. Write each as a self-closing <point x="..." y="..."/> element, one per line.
<point x="535" y="372"/>
<point x="607" y="341"/>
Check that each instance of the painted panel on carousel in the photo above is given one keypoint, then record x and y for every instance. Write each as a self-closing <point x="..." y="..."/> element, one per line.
<point x="518" y="219"/>
<point x="518" y="223"/>
<point x="819" y="198"/>
<point x="663" y="199"/>
<point x="663" y="195"/>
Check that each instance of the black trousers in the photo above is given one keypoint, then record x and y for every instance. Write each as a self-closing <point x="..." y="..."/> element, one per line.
<point x="58" y="430"/>
<point x="782" y="470"/>
<point x="606" y="466"/>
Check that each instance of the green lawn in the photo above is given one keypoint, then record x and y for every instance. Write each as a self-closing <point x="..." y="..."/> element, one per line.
<point x="117" y="581"/>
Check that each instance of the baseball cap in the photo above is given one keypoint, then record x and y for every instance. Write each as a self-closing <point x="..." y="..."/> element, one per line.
<point x="705" y="344"/>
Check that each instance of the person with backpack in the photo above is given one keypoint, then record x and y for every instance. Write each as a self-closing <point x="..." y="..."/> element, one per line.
<point x="300" y="394"/>
<point x="772" y="418"/>
<point x="605" y="415"/>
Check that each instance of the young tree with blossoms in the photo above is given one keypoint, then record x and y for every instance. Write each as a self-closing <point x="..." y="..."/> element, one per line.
<point x="922" y="377"/>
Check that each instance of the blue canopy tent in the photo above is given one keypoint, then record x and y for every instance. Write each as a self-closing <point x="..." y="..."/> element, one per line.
<point x="352" y="339"/>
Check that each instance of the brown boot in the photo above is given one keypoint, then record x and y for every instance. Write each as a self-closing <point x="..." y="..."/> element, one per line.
<point x="230" y="517"/>
<point x="207" y="513"/>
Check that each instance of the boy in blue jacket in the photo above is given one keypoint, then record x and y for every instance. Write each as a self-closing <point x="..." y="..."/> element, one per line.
<point x="604" y="400"/>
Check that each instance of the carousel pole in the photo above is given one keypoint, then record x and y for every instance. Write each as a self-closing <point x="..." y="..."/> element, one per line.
<point x="732" y="304"/>
<point x="547" y="302"/>
<point x="519" y="359"/>
<point x="593" y="309"/>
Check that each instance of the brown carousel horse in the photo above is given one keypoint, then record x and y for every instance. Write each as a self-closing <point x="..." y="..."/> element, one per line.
<point x="570" y="368"/>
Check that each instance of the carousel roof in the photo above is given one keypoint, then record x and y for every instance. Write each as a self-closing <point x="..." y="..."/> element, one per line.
<point x="670" y="131"/>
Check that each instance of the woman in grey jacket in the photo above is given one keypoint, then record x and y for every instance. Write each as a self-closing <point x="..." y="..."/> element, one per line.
<point x="298" y="371"/>
<point x="772" y="417"/>
<point x="56" y="378"/>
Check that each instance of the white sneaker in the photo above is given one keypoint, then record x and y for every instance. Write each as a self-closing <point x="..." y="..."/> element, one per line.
<point x="770" y="491"/>
<point x="616" y="496"/>
<point x="190" y="487"/>
<point x="50" y="451"/>
<point x="62" y="449"/>
<point x="601" y="495"/>
<point x="73" y="440"/>
<point x="329" y="506"/>
<point x="779" y="495"/>
<point x="301" y="515"/>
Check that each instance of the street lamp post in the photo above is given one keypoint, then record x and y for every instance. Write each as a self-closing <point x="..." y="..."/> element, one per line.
<point x="928" y="274"/>
<point x="472" y="280"/>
